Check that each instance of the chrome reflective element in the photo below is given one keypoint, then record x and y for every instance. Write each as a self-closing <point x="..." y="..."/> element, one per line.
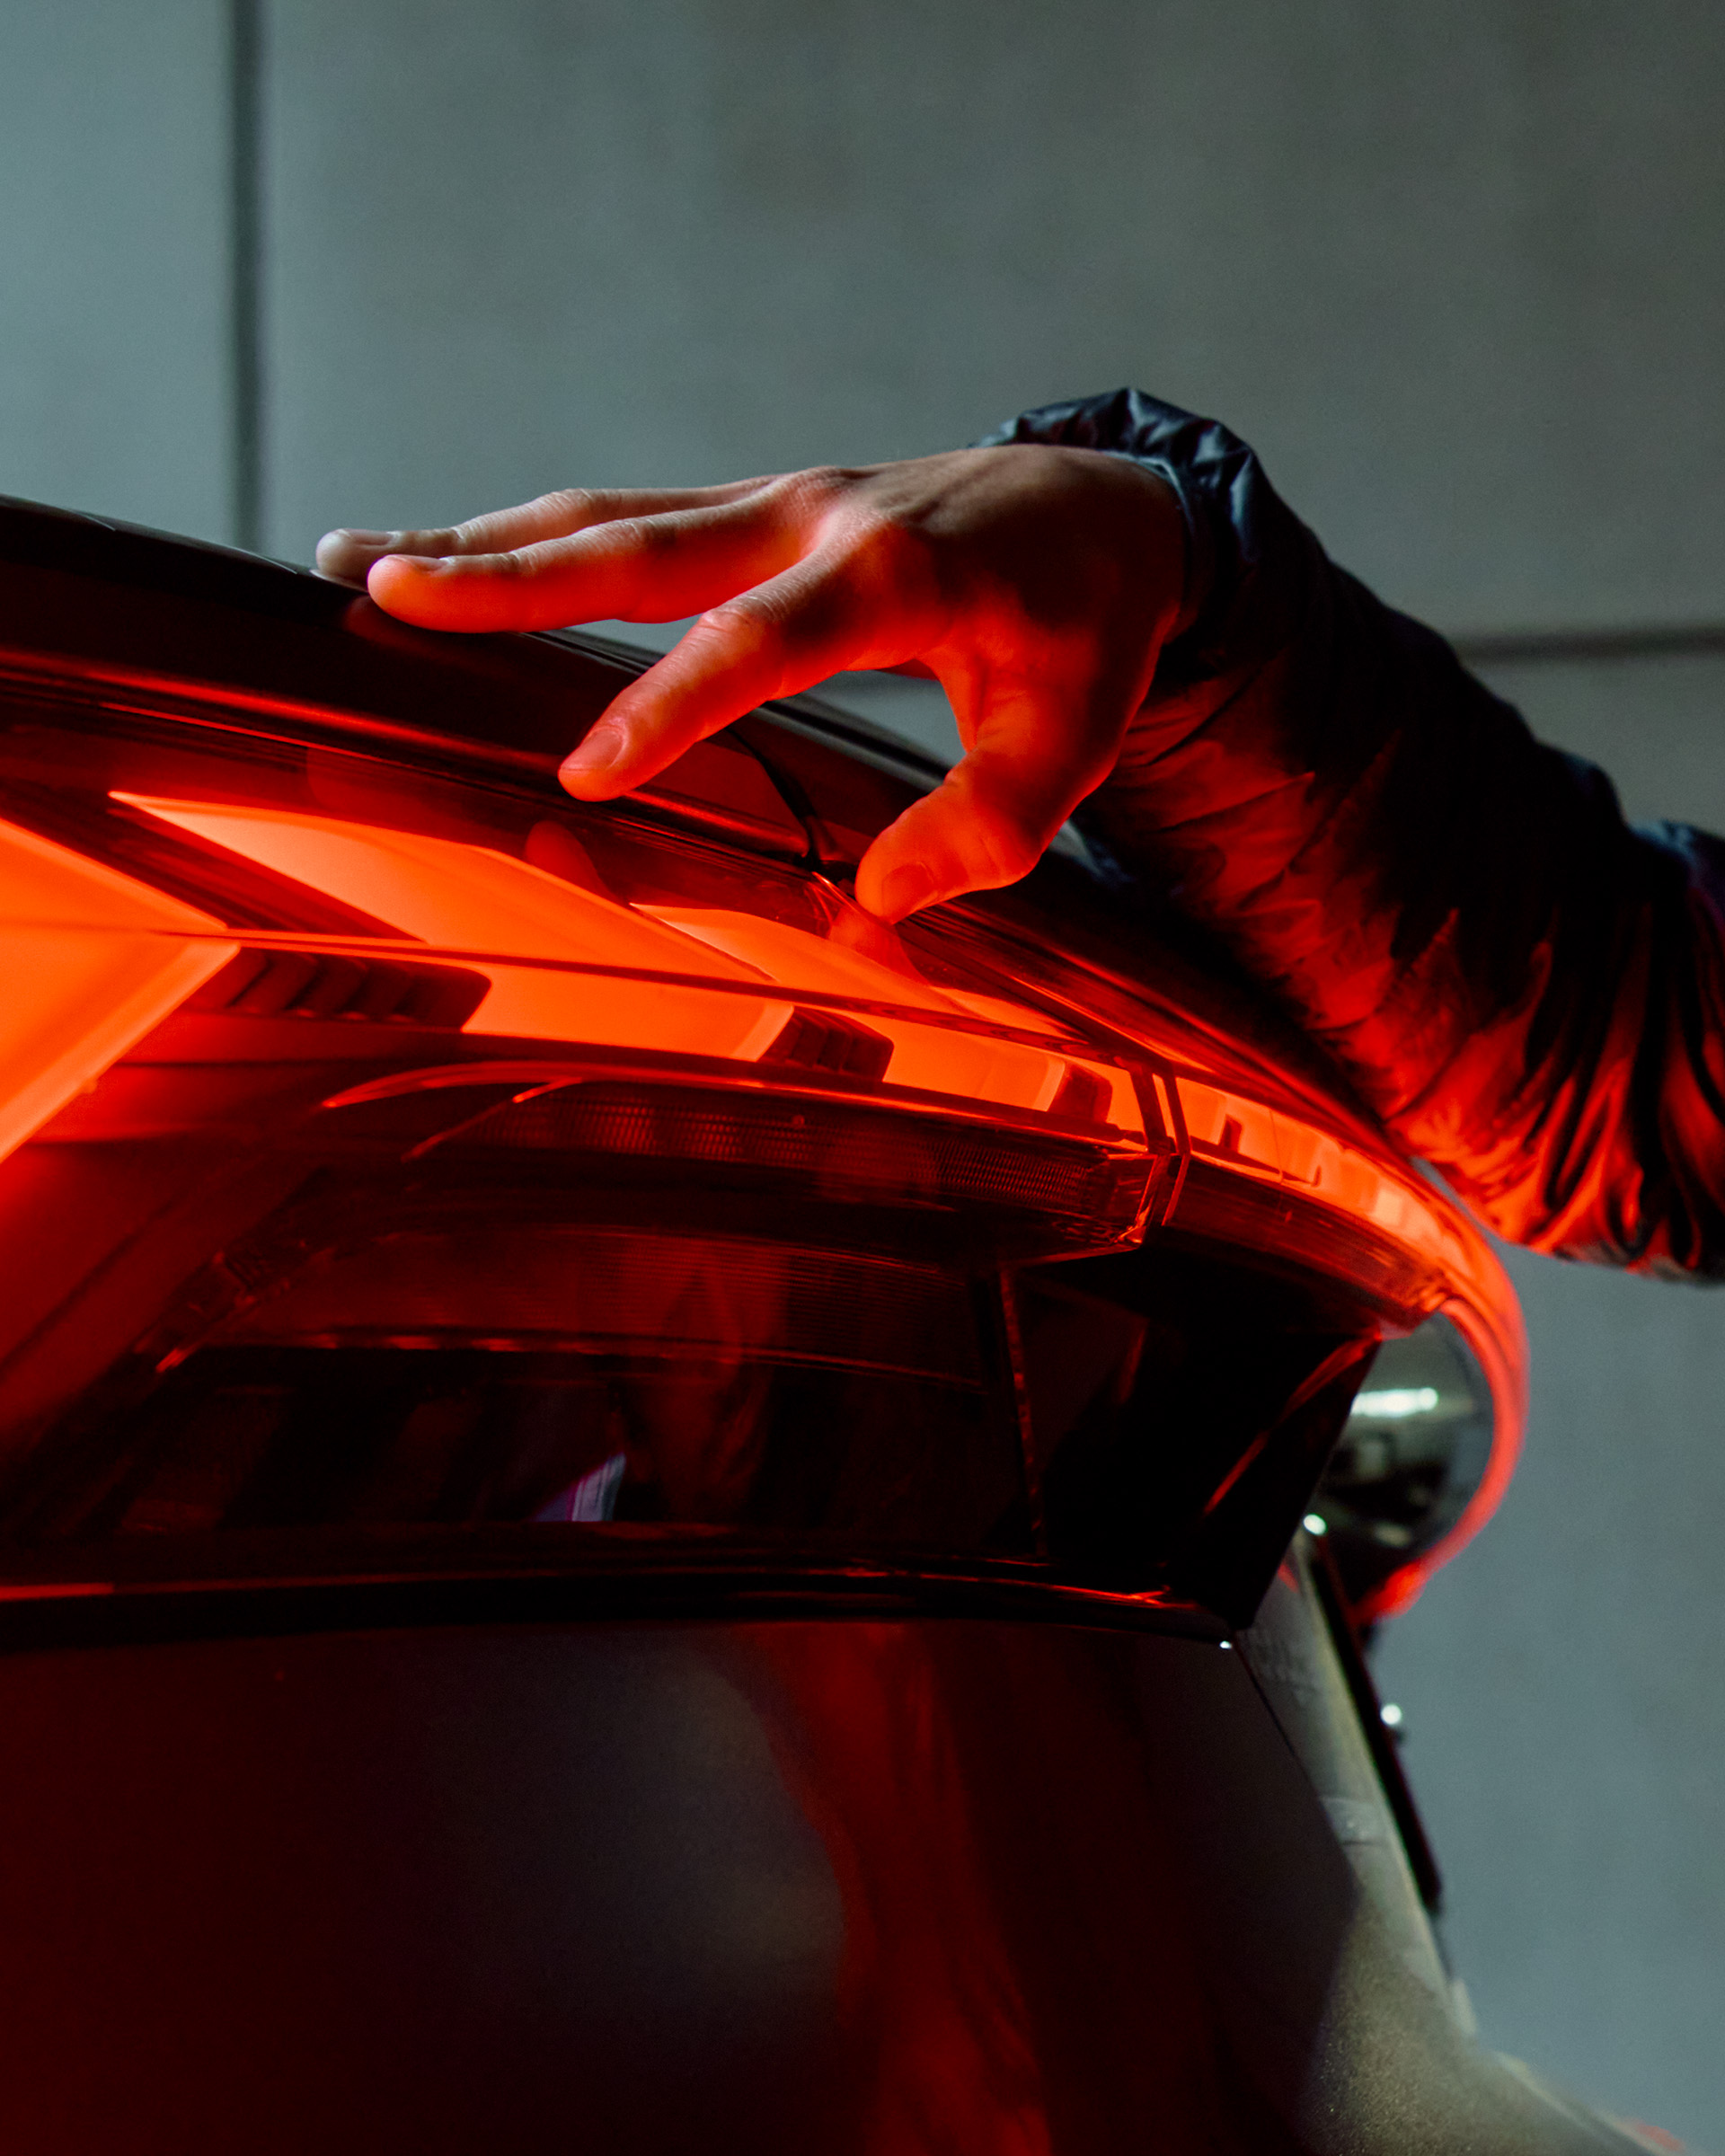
<point x="1390" y="1405"/>
<point x="1412" y="1456"/>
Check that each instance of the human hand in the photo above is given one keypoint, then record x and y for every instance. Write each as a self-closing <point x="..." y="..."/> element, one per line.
<point x="1035" y="584"/>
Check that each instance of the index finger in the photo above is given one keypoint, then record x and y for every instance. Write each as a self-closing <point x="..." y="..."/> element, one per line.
<point x="822" y="612"/>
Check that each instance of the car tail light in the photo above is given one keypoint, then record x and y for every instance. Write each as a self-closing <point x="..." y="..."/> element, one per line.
<point x="330" y="1054"/>
<point x="327" y="1058"/>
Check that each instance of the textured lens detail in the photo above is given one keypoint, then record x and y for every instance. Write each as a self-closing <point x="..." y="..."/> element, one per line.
<point x="843" y="1153"/>
<point x="602" y="1289"/>
<point x="825" y="1040"/>
<point x="1284" y="1225"/>
<point x="309" y="984"/>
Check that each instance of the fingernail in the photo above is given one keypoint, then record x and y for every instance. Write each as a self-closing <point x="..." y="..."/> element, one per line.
<point x="601" y="751"/>
<point x="905" y="888"/>
<point x="347" y="531"/>
<point x="426" y="565"/>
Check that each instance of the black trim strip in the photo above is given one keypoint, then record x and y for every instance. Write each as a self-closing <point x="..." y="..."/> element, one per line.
<point x="95" y="1613"/>
<point x="270" y="1611"/>
<point x="1397" y="1793"/>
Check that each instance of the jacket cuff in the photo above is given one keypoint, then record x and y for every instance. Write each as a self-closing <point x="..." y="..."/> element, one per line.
<point x="1247" y="555"/>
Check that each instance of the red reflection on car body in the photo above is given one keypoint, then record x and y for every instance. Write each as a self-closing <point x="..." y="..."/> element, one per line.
<point x="926" y="1983"/>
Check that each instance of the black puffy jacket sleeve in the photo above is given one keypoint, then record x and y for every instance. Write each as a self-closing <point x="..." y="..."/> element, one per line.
<point x="1530" y="994"/>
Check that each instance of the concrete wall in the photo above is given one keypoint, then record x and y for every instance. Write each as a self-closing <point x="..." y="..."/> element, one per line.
<point x="1459" y="270"/>
<point x="114" y="326"/>
<point x="1455" y="270"/>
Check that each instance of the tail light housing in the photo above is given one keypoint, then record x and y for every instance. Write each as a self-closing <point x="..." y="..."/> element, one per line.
<point x="321" y="1048"/>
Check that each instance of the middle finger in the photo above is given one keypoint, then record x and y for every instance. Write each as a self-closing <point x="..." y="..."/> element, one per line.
<point x="819" y="617"/>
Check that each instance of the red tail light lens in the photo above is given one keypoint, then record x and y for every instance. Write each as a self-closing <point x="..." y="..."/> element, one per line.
<point x="570" y="1169"/>
<point x="382" y="1148"/>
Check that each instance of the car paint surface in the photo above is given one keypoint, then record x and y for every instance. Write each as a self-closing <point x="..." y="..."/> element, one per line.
<point x="665" y="1846"/>
<point x="845" y="1884"/>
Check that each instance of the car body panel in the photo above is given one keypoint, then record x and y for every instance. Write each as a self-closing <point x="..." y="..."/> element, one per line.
<point x="838" y="1884"/>
<point x="350" y="1041"/>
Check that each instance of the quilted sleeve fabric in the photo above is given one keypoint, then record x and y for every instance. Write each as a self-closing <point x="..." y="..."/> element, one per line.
<point x="1530" y="994"/>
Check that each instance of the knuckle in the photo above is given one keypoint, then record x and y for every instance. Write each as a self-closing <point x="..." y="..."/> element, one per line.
<point x="656" y="535"/>
<point x="571" y="503"/>
<point x="815" y="492"/>
<point x="878" y="542"/>
<point x="442" y="539"/>
<point x="1006" y="837"/>
<point x="748" y="618"/>
<point x="821" y="479"/>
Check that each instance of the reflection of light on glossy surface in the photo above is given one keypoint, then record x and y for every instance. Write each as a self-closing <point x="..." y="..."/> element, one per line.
<point x="1273" y="1145"/>
<point x="875" y="1760"/>
<point x="792" y="957"/>
<point x="445" y="892"/>
<point x="1395" y="1402"/>
<point x="1315" y="1523"/>
<point x="93" y="961"/>
<point x="536" y="1003"/>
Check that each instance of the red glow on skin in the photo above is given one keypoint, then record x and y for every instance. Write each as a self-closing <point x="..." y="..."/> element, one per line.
<point x="997" y="570"/>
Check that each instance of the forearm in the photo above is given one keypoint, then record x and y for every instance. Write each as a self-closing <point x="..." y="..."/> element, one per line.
<point x="1532" y="996"/>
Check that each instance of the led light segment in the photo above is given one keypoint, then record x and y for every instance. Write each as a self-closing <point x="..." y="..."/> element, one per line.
<point x="518" y="920"/>
<point x="926" y="1057"/>
<point x="93" y="961"/>
<point x="794" y="957"/>
<point x="488" y="907"/>
<point x="1241" y="1132"/>
<point x="448" y="892"/>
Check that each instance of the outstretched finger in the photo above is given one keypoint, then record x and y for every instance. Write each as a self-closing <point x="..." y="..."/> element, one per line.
<point x="997" y="811"/>
<point x="825" y="613"/>
<point x="651" y="569"/>
<point x="349" y="554"/>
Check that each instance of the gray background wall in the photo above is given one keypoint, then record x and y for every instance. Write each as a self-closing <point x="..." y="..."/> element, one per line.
<point x="1457" y="268"/>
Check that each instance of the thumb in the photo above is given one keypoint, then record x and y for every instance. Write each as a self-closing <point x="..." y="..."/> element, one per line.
<point x="992" y="818"/>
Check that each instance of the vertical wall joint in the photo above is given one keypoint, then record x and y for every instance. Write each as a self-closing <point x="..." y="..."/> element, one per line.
<point x="245" y="223"/>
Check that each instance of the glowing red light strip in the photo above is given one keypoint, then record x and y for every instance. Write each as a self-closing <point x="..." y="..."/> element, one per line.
<point x="93" y="961"/>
